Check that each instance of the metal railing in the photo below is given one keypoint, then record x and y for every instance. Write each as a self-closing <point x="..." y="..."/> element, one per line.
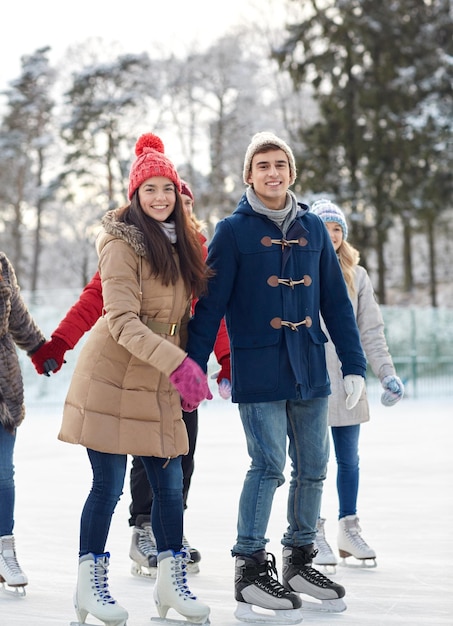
<point x="420" y="341"/>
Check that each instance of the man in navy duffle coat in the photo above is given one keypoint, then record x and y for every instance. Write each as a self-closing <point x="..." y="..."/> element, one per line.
<point x="275" y="272"/>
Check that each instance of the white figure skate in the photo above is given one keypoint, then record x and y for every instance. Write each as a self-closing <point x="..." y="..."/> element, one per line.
<point x="171" y="591"/>
<point x="12" y="578"/>
<point x="351" y="543"/>
<point x="325" y="558"/>
<point x="92" y="595"/>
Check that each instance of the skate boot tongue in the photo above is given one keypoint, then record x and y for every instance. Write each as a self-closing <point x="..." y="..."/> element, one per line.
<point x="101" y="564"/>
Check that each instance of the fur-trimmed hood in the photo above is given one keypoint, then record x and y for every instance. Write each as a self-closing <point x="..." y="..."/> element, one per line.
<point x="127" y="232"/>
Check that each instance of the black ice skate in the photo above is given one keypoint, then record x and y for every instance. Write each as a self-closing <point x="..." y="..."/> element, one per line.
<point x="143" y="550"/>
<point x="299" y="576"/>
<point x="195" y="557"/>
<point x="256" y="584"/>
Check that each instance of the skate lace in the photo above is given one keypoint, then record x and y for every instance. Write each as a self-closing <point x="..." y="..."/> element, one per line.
<point x="353" y="534"/>
<point x="266" y="581"/>
<point x="101" y="564"/>
<point x="9" y="558"/>
<point x="321" y="543"/>
<point x="181" y="559"/>
<point x="146" y="540"/>
<point x="313" y="576"/>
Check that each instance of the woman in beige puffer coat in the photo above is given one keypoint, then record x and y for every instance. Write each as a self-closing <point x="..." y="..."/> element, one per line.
<point x="132" y="378"/>
<point x="345" y="424"/>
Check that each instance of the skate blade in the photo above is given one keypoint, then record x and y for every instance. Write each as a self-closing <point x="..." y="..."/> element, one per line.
<point x="246" y="613"/>
<point x="141" y="571"/>
<point x="88" y="624"/>
<point x="117" y="623"/>
<point x="17" y="591"/>
<point x="80" y="624"/>
<point x="177" y="622"/>
<point x="326" y="606"/>
<point x="370" y="563"/>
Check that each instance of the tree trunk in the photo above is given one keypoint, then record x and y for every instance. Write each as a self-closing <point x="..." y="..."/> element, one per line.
<point x="37" y="237"/>
<point x="407" y="256"/>
<point x="432" y="261"/>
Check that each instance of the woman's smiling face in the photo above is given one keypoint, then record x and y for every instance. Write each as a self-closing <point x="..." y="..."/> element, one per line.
<point x="157" y="197"/>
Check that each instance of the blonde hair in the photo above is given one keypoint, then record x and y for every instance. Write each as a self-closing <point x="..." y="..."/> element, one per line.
<point x="349" y="258"/>
<point x="199" y="225"/>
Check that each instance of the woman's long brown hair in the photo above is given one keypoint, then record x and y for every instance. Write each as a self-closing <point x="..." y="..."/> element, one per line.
<point x="159" y="249"/>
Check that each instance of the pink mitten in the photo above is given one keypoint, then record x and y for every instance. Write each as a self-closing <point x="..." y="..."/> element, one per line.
<point x="191" y="382"/>
<point x="188" y="408"/>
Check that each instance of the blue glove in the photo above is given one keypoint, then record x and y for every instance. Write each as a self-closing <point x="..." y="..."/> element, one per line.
<point x="394" y="390"/>
<point x="223" y="377"/>
<point x="225" y="389"/>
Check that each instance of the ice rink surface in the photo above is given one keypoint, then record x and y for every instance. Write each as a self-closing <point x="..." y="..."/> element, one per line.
<point x="405" y="510"/>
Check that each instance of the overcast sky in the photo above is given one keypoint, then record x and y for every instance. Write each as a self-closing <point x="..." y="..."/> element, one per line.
<point x="136" y="25"/>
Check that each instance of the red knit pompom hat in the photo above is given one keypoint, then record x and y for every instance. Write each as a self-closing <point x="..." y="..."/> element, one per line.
<point x="150" y="162"/>
<point x="186" y="190"/>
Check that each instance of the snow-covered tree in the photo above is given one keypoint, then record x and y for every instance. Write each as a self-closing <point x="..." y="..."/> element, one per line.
<point x="374" y="68"/>
<point x="26" y="138"/>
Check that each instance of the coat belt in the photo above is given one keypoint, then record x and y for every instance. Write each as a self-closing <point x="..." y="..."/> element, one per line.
<point x="162" y="328"/>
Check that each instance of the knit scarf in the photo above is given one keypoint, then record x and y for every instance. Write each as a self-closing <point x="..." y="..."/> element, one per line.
<point x="169" y="229"/>
<point x="283" y="218"/>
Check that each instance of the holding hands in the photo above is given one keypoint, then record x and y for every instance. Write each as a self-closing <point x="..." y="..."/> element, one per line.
<point x="190" y="380"/>
<point x="50" y="356"/>
<point x="224" y="378"/>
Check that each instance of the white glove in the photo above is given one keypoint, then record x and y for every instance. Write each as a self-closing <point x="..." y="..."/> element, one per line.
<point x="353" y="385"/>
<point x="394" y="390"/>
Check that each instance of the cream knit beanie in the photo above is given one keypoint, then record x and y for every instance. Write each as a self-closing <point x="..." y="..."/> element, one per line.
<point x="260" y="140"/>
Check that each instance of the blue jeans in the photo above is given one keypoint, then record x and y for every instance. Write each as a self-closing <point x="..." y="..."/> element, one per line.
<point x="109" y="471"/>
<point x="7" y="489"/>
<point x="346" y="443"/>
<point x="267" y="426"/>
